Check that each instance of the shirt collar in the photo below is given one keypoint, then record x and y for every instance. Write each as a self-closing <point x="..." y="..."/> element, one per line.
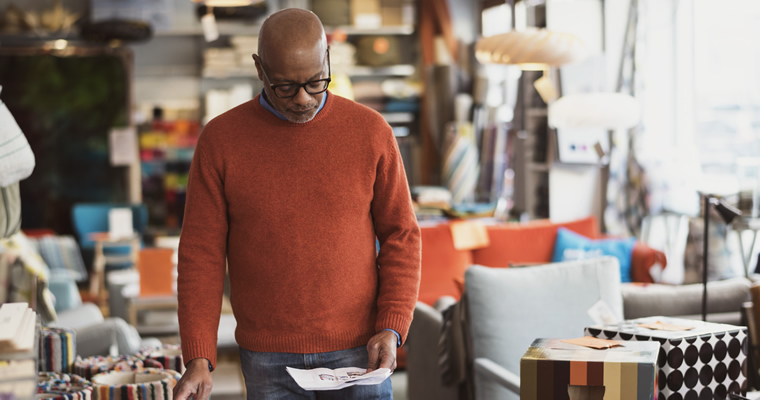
<point x="265" y="103"/>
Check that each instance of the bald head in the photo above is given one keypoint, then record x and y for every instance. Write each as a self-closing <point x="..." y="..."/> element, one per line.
<point x="293" y="54"/>
<point x="292" y="32"/>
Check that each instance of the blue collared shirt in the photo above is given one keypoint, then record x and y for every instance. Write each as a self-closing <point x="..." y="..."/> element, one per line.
<point x="264" y="103"/>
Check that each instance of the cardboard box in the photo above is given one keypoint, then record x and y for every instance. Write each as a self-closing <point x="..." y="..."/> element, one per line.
<point x="550" y="366"/>
<point x="709" y="360"/>
<point x="392" y="15"/>
<point x="366" y="13"/>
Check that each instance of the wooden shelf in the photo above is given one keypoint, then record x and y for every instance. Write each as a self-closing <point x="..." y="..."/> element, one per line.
<point x="398" y="117"/>
<point x="243" y="29"/>
<point x="355" y="71"/>
<point x="391" y="70"/>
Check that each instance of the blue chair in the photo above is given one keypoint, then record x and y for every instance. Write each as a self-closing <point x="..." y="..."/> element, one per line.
<point x="89" y="218"/>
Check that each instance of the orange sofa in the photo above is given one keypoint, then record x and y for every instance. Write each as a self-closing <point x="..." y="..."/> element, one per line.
<point x="443" y="266"/>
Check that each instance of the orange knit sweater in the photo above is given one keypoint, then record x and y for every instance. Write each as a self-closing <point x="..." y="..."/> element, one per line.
<point x="295" y="209"/>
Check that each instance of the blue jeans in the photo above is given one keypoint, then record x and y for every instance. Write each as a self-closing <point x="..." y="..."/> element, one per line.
<point x="267" y="379"/>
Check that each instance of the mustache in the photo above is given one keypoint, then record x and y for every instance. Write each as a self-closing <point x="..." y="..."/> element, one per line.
<point x="303" y="109"/>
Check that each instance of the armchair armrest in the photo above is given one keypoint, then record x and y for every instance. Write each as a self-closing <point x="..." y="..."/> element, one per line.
<point x="488" y="369"/>
<point x="97" y="340"/>
<point x="86" y="315"/>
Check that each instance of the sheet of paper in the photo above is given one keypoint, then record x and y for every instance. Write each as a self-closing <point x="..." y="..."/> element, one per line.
<point x="329" y="379"/>
<point x="594" y="343"/>
<point x="662" y="326"/>
<point x="602" y="314"/>
<point x="468" y="235"/>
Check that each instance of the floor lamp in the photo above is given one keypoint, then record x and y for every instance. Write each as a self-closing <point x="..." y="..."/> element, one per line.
<point x="727" y="212"/>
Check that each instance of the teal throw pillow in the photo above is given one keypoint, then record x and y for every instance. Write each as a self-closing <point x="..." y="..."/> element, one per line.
<point x="571" y="246"/>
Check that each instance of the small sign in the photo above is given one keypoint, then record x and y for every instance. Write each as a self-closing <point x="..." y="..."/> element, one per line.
<point x="123" y="146"/>
<point x="120" y="223"/>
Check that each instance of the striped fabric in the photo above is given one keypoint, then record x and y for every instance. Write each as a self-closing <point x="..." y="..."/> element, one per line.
<point x="143" y="384"/>
<point x="57" y="349"/>
<point x="550" y="365"/>
<point x="461" y="167"/>
<point x="61" y="253"/>
<point x="57" y="386"/>
<point x="92" y="366"/>
<point x="169" y="356"/>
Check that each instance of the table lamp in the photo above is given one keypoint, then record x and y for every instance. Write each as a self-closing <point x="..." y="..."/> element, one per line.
<point x="727" y="212"/>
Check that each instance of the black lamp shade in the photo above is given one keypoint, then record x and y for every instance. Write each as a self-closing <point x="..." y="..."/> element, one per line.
<point x="726" y="211"/>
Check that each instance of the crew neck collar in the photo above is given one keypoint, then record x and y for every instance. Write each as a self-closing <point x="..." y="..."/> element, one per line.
<point x="264" y="101"/>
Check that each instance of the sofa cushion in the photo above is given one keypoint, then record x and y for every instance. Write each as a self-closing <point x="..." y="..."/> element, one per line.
<point x="571" y="246"/>
<point x="442" y="264"/>
<point x="527" y="243"/>
<point x="643" y="258"/>
<point x="666" y="300"/>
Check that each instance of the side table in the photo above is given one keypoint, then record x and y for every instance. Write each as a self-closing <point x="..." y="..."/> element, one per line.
<point x="139" y="303"/>
<point x="104" y="240"/>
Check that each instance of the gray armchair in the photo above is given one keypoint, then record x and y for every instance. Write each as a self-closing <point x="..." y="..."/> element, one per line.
<point x="505" y="310"/>
<point x="509" y="308"/>
<point x="422" y="355"/>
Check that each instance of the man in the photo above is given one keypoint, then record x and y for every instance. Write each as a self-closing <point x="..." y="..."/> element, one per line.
<point x="292" y="189"/>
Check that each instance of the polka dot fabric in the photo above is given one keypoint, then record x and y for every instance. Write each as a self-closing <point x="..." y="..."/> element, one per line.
<point x="707" y="362"/>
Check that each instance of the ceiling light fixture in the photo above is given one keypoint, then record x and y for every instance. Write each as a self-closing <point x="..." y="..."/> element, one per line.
<point x="532" y="49"/>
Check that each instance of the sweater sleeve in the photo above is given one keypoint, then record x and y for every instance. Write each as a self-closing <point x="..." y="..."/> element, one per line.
<point x="399" y="236"/>
<point x="202" y="257"/>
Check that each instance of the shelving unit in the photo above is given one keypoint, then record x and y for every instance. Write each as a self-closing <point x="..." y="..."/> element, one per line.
<point x="231" y="29"/>
<point x="25" y="387"/>
<point x="391" y="70"/>
<point x="175" y="59"/>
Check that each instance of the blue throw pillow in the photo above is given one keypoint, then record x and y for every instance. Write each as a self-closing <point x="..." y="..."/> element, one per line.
<point x="571" y="246"/>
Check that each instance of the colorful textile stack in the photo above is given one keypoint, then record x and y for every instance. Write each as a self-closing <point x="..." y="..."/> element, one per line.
<point x="169" y="356"/>
<point x="92" y="366"/>
<point x="57" y="349"/>
<point x="149" y="383"/>
<point x="58" y="386"/>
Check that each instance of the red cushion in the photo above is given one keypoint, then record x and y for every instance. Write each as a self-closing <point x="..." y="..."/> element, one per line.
<point x="36" y="233"/>
<point x="643" y="258"/>
<point x="442" y="264"/>
<point x="531" y="242"/>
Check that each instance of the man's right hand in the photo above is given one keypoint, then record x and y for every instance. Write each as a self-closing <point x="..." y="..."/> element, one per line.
<point x="195" y="381"/>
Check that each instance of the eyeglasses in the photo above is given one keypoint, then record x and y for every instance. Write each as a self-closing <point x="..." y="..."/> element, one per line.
<point x="288" y="90"/>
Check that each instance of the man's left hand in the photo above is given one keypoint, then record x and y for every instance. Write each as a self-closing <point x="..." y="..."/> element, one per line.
<point x="382" y="351"/>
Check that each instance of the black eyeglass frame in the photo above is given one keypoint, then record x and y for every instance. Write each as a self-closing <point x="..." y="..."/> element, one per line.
<point x="299" y="86"/>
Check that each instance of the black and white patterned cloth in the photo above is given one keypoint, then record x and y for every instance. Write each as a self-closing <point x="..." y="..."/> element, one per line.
<point x="707" y="362"/>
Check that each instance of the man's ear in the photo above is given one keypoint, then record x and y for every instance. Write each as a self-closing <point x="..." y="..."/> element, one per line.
<point x="258" y="67"/>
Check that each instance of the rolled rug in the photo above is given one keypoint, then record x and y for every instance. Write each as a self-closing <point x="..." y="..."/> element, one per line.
<point x="169" y="356"/>
<point x="57" y="349"/>
<point x="91" y="366"/>
<point x="148" y="383"/>
<point x="56" y="386"/>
